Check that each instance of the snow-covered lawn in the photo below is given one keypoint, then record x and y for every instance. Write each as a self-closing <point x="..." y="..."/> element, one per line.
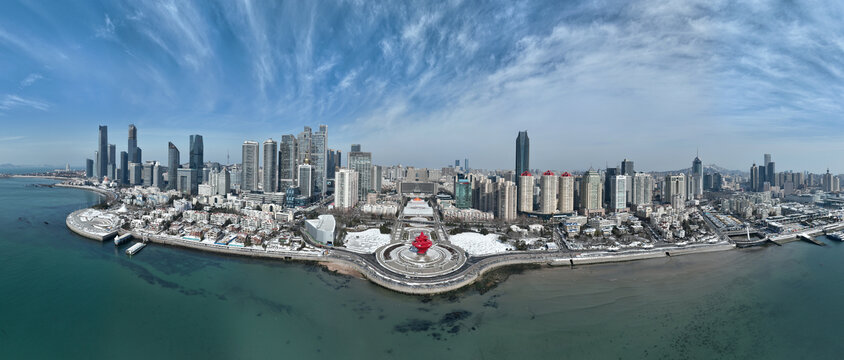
<point x="366" y="242"/>
<point x="476" y="244"/>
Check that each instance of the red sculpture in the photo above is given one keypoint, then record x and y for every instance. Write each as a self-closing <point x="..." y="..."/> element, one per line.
<point x="422" y="244"/>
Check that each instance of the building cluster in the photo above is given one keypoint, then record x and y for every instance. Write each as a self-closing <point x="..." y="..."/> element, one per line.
<point x="296" y="172"/>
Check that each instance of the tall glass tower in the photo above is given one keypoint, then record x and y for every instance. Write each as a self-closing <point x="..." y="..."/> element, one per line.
<point x="270" y="163"/>
<point x="522" y="154"/>
<point x="134" y="155"/>
<point x="172" y="166"/>
<point x="102" y="154"/>
<point x="196" y="153"/>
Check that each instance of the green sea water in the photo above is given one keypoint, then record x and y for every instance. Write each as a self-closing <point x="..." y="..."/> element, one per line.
<point x="63" y="296"/>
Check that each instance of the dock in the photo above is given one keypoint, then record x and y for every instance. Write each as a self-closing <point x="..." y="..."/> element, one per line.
<point x="132" y="250"/>
<point x="120" y="240"/>
<point x="810" y="239"/>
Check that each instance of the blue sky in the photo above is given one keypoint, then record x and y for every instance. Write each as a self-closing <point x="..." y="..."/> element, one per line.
<point x="424" y="83"/>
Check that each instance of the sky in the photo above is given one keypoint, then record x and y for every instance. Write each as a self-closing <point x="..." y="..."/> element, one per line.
<point x="423" y="83"/>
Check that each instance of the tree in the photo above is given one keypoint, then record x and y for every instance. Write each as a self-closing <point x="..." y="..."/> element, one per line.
<point x="247" y="242"/>
<point x="385" y="229"/>
<point x="484" y="231"/>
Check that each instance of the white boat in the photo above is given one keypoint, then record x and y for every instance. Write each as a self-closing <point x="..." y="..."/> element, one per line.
<point x="132" y="250"/>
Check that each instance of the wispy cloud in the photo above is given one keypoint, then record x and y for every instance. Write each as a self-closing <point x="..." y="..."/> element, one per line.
<point x="10" y="102"/>
<point x="12" y="138"/>
<point x="31" y="79"/>
<point x="106" y="31"/>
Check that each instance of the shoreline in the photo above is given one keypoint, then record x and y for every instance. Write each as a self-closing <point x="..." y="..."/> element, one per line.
<point x="347" y="263"/>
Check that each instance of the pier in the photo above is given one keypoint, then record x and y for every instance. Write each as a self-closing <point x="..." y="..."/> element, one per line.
<point x="810" y="239"/>
<point x="120" y="240"/>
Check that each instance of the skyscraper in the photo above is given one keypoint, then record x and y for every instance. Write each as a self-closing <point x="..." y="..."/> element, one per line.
<point x="627" y="168"/>
<point x="505" y="200"/>
<point x="287" y="159"/>
<point x="466" y="164"/>
<point x="522" y="155"/>
<point x="770" y="171"/>
<point x="173" y="162"/>
<point x="362" y="163"/>
<point x="89" y="168"/>
<point x="102" y="152"/>
<point x="608" y="175"/>
<point x="124" y="168"/>
<point x="346" y="189"/>
<point x="157" y="176"/>
<point x="674" y="191"/>
<point x="270" y="163"/>
<point x="132" y="149"/>
<point x="250" y="166"/>
<point x="377" y="176"/>
<point x="196" y="157"/>
<point x="306" y="180"/>
<point x="355" y="148"/>
<point x="697" y="177"/>
<point x="618" y="193"/>
<point x="565" y="193"/>
<point x="642" y="191"/>
<point x="591" y="194"/>
<point x="304" y="145"/>
<point x="548" y="192"/>
<point x="526" y="183"/>
<point x="754" y="178"/>
<point x="111" y="168"/>
<point x="462" y="192"/>
<point x="318" y="158"/>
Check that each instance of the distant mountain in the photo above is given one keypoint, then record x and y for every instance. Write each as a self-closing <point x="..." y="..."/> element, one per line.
<point x="8" y="166"/>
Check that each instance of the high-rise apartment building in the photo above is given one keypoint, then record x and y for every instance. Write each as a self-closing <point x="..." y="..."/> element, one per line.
<point x="565" y="193"/>
<point x="591" y="193"/>
<point x="250" y="166"/>
<point x="377" y="177"/>
<point x="506" y="195"/>
<point x="674" y="191"/>
<point x="642" y="191"/>
<point x="618" y="193"/>
<point x="697" y="178"/>
<point x="346" y="189"/>
<point x="548" y="193"/>
<point x="362" y="163"/>
<point x="526" y="183"/>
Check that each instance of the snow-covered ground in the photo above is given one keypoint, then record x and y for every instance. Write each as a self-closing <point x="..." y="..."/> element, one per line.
<point x="366" y="242"/>
<point x="476" y="244"/>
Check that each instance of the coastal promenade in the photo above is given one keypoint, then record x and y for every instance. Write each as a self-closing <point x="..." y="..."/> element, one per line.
<point x="368" y="266"/>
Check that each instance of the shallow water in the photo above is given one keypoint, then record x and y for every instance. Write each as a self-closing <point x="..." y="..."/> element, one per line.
<point x="64" y="296"/>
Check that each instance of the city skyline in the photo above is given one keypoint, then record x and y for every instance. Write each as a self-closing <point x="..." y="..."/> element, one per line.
<point x="705" y="75"/>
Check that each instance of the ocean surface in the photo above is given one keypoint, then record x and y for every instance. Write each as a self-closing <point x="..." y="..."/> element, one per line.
<point x="63" y="296"/>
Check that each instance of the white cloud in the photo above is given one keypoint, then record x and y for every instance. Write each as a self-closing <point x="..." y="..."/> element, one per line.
<point x="10" y="102"/>
<point x="31" y="79"/>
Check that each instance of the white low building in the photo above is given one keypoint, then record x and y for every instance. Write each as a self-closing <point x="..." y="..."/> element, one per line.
<point x="322" y="229"/>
